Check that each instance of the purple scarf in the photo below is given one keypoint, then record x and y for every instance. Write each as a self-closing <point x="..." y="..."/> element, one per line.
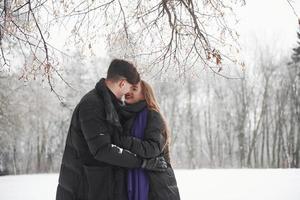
<point x="137" y="179"/>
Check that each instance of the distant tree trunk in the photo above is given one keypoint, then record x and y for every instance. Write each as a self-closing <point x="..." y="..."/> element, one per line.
<point x="172" y="119"/>
<point x="191" y="137"/>
<point x="38" y="154"/>
<point x="241" y="102"/>
<point x="29" y="156"/>
<point x="43" y="148"/>
<point x="49" y="162"/>
<point x="279" y="151"/>
<point x="279" y="122"/>
<point x="253" y="141"/>
<point x="230" y="148"/>
<point x="220" y="149"/>
<point x="297" y="151"/>
<point x="199" y="130"/>
<point x="296" y="99"/>
<point x="209" y="138"/>
<point x="268" y="140"/>
<point x="15" y="161"/>
<point x="259" y="123"/>
<point x="264" y="124"/>
<point x="274" y="145"/>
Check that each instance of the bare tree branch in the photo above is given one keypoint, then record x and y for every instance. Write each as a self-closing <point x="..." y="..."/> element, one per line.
<point x="294" y="11"/>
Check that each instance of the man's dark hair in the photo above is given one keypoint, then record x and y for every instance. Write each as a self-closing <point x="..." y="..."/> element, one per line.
<point x="119" y="69"/>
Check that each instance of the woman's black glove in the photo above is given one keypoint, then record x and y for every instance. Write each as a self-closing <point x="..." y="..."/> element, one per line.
<point x="155" y="164"/>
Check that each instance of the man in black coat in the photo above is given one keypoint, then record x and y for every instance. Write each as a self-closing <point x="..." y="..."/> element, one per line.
<point x="93" y="168"/>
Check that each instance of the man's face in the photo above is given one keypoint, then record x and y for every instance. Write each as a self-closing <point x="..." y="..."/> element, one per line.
<point x="124" y="86"/>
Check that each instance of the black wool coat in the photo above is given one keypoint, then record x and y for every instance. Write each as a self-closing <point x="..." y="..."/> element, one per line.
<point x="92" y="167"/>
<point x="162" y="185"/>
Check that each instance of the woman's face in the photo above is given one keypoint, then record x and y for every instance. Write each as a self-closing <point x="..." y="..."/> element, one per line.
<point x="135" y="94"/>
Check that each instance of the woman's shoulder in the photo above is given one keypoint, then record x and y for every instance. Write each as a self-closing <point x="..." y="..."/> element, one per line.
<point x="155" y="116"/>
<point x="154" y="113"/>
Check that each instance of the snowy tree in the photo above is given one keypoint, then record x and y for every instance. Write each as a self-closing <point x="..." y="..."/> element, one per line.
<point x="180" y="34"/>
<point x="294" y="72"/>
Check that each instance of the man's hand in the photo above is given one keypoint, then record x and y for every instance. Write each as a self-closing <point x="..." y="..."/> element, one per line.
<point x="155" y="164"/>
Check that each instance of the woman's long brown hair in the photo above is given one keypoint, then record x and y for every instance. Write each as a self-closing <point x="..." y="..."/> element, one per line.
<point x="153" y="105"/>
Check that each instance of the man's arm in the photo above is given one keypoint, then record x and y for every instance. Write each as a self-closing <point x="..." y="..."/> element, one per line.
<point x="153" y="142"/>
<point x="95" y="131"/>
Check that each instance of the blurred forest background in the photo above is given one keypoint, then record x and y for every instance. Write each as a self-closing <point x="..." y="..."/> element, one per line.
<point x="223" y="112"/>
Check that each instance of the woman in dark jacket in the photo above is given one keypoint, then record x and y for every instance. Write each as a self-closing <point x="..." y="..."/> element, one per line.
<point x="146" y="134"/>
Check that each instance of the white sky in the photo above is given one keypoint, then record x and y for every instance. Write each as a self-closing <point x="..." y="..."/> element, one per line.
<point x="269" y="22"/>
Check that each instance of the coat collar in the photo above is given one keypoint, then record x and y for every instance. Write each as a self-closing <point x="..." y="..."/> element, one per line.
<point x="129" y="110"/>
<point x="111" y="103"/>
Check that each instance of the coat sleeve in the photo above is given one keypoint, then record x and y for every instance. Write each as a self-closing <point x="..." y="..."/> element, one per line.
<point x="153" y="142"/>
<point x="98" y="138"/>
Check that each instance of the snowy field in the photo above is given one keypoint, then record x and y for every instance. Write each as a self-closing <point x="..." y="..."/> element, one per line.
<point x="203" y="184"/>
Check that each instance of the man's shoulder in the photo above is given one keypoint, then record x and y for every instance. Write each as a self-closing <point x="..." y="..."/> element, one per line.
<point x="92" y="98"/>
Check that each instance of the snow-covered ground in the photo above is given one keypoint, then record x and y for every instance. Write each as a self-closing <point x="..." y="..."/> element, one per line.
<point x="202" y="184"/>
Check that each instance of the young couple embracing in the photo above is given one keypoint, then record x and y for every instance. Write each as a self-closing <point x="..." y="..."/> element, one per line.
<point x="117" y="150"/>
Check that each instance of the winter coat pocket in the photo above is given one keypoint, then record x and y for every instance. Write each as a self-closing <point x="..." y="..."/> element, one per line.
<point x="163" y="185"/>
<point x="100" y="182"/>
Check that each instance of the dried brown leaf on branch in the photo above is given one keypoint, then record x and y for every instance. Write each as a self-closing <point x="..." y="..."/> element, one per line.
<point x="162" y="34"/>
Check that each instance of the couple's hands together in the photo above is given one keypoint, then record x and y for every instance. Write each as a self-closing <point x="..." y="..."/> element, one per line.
<point x="153" y="164"/>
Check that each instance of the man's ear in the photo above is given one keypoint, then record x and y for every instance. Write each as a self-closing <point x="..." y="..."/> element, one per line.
<point x="122" y="83"/>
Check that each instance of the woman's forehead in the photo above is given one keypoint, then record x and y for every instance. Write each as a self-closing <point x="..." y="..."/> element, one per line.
<point x="136" y="85"/>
